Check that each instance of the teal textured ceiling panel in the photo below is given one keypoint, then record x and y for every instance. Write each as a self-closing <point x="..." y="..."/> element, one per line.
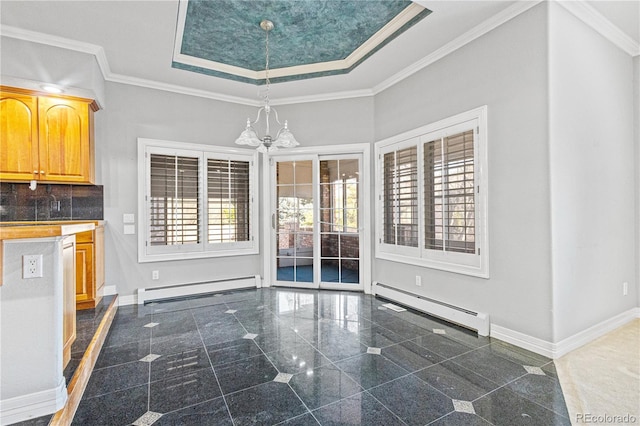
<point x="306" y="32"/>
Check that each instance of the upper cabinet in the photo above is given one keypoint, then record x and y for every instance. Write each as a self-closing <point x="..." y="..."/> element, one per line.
<point x="46" y="138"/>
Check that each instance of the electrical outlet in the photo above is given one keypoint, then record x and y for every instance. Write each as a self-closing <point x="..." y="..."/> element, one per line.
<point x="625" y="288"/>
<point x="155" y="275"/>
<point x="418" y="280"/>
<point x="32" y="266"/>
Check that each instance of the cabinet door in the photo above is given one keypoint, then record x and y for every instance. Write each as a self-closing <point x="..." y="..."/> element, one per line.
<point x="18" y="136"/>
<point x="65" y="143"/>
<point x="68" y="302"/>
<point x="84" y="272"/>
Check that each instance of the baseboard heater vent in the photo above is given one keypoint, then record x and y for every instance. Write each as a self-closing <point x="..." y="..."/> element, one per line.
<point x="192" y="289"/>
<point x="469" y="319"/>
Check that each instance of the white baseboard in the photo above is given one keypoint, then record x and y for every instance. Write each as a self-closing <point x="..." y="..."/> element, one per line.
<point x="590" y="334"/>
<point x="110" y="290"/>
<point x="33" y="405"/>
<point x="533" y="344"/>
<point x="131" y="299"/>
<point x="556" y="350"/>
<point x="191" y="289"/>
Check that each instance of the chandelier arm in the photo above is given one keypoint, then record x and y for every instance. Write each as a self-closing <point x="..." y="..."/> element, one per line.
<point x="277" y="120"/>
<point x="257" y="116"/>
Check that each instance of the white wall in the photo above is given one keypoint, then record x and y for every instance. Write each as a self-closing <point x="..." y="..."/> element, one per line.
<point x="592" y="175"/>
<point x="506" y="70"/>
<point x="134" y="112"/>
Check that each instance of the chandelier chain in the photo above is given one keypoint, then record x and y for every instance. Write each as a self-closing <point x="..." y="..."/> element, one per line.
<point x="266" y="68"/>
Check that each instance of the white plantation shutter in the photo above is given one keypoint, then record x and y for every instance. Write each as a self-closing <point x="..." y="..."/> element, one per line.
<point x="400" y="197"/>
<point x="449" y="193"/>
<point x="174" y="200"/>
<point x="196" y="201"/>
<point x="228" y="200"/>
<point x="432" y="195"/>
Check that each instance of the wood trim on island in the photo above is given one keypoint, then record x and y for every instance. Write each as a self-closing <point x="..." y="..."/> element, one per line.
<point x="80" y="378"/>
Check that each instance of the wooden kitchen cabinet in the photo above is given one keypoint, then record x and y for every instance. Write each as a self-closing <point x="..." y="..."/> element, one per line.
<point x="68" y="299"/>
<point x="46" y="138"/>
<point x="89" y="268"/>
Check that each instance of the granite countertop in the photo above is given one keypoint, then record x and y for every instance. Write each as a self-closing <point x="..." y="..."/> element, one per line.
<point x="15" y="230"/>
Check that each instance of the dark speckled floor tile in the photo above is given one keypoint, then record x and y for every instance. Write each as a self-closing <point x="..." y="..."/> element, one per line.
<point x="183" y="391"/>
<point x="379" y="337"/>
<point x="360" y="409"/>
<point x="323" y="386"/>
<point x="111" y="379"/>
<point x="543" y="390"/>
<point x="40" y="421"/>
<point x="282" y="339"/>
<point x="340" y="347"/>
<point x="267" y="404"/>
<point x="493" y="367"/>
<point x="504" y="407"/>
<point x="129" y="352"/>
<point x="213" y="412"/>
<point x="179" y="364"/>
<point x="117" y="408"/>
<point x="456" y="381"/>
<point x="516" y="354"/>
<point x="297" y="358"/>
<point x="371" y="370"/>
<point x="411" y="356"/>
<point x="175" y="343"/>
<point x="414" y="401"/>
<point x="460" y="419"/>
<point x="249" y="372"/>
<point x="442" y="345"/>
<point x="236" y="350"/>
<point x="303" y="420"/>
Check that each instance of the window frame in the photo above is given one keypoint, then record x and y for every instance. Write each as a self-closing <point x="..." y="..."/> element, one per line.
<point x="203" y="249"/>
<point x="475" y="264"/>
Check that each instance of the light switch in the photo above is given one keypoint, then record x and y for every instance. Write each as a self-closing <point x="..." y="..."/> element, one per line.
<point x="128" y="218"/>
<point x="129" y="229"/>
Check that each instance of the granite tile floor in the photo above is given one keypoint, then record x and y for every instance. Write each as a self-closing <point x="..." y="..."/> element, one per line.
<point x="283" y="356"/>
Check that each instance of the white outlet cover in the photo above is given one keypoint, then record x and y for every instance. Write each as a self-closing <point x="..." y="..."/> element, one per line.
<point x="32" y="266"/>
<point x="129" y="229"/>
<point x="128" y="218"/>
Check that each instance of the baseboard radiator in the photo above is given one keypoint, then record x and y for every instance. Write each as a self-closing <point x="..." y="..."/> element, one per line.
<point x="193" y="289"/>
<point x="469" y="319"/>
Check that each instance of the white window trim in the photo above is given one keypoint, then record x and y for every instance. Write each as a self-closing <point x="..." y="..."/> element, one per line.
<point x="203" y="249"/>
<point x="445" y="261"/>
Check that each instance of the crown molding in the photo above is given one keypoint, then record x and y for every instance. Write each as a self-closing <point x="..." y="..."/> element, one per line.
<point x="579" y="8"/>
<point x="176" y="88"/>
<point x="590" y="16"/>
<point x="460" y="41"/>
<point x="350" y="94"/>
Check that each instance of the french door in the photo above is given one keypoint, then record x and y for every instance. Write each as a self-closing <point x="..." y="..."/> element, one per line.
<point x="316" y="231"/>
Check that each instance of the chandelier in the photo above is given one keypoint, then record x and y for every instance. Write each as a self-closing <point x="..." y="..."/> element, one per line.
<point x="284" y="138"/>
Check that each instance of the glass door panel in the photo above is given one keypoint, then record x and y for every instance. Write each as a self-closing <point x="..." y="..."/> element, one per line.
<point x="339" y="221"/>
<point x="295" y="221"/>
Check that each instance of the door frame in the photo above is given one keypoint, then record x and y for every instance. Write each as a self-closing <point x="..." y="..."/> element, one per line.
<point x="366" y="214"/>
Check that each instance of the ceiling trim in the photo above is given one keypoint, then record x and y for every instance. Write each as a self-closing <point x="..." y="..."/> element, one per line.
<point x="590" y="16"/>
<point x="579" y="8"/>
<point x="460" y="41"/>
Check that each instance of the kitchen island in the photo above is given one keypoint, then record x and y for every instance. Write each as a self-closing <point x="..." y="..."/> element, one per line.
<point x="37" y="317"/>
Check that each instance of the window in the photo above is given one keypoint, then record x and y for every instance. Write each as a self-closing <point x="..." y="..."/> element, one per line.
<point x="197" y="201"/>
<point x="431" y="191"/>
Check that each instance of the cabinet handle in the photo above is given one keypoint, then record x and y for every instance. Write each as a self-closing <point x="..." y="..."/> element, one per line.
<point x="35" y="172"/>
<point x="41" y="172"/>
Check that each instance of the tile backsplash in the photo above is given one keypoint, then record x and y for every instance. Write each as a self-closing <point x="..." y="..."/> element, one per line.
<point x="50" y="202"/>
